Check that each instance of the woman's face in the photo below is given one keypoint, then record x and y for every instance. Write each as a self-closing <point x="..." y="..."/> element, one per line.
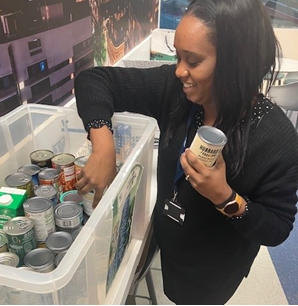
<point x="196" y="59"/>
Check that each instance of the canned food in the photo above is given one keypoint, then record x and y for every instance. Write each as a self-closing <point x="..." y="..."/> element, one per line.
<point x="3" y="241"/>
<point x="76" y="232"/>
<point x="21" y="237"/>
<point x="42" y="158"/>
<point x="87" y="202"/>
<point x="50" y="176"/>
<point x="59" y="257"/>
<point x="9" y="259"/>
<point x="20" y="181"/>
<point x="59" y="242"/>
<point x="41" y="211"/>
<point x="208" y="144"/>
<point x="48" y="192"/>
<point x="68" y="215"/>
<point x="40" y="260"/>
<point x="71" y="195"/>
<point x="32" y="170"/>
<point x="64" y="162"/>
<point x="80" y="162"/>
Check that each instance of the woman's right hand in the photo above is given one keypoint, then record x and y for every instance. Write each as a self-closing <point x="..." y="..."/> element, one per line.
<point x="100" y="169"/>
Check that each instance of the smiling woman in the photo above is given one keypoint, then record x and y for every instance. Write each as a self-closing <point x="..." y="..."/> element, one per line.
<point x="206" y="248"/>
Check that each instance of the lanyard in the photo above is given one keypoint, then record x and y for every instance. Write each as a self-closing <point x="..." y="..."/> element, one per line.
<point x="179" y="169"/>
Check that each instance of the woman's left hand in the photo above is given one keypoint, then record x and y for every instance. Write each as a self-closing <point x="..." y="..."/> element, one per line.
<point x="210" y="182"/>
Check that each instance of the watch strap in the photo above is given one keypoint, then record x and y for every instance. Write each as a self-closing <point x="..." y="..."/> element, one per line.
<point x="229" y="199"/>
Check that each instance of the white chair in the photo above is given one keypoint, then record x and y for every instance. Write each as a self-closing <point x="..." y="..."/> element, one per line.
<point x="286" y="96"/>
<point x="291" y="77"/>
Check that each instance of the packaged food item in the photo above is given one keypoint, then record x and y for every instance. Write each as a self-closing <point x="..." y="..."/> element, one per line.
<point x="208" y="144"/>
<point x="80" y="162"/>
<point x="48" y="192"/>
<point x="50" y="176"/>
<point x="9" y="259"/>
<point x="59" y="242"/>
<point x="3" y="242"/>
<point x="42" y="158"/>
<point x="11" y="203"/>
<point x="20" y="181"/>
<point x="40" y="260"/>
<point x="32" y="170"/>
<point x="71" y="195"/>
<point x="64" y="162"/>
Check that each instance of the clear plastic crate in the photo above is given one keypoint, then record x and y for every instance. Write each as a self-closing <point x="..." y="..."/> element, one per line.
<point x="81" y="277"/>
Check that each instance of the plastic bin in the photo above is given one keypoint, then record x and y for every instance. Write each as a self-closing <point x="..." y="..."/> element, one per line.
<point x="81" y="277"/>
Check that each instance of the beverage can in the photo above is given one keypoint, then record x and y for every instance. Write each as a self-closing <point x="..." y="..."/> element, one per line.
<point x="208" y="144"/>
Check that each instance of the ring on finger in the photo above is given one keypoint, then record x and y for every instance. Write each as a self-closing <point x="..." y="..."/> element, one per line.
<point x="187" y="177"/>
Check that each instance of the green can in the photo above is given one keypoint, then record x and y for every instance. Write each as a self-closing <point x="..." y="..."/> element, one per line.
<point x="21" y="181"/>
<point x="21" y="237"/>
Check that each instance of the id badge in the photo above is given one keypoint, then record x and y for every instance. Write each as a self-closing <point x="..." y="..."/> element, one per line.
<point x="174" y="211"/>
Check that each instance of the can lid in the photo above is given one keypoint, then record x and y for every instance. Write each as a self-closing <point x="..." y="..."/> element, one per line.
<point x="37" y="204"/>
<point x="29" y="169"/>
<point x="45" y="191"/>
<point x="39" y="259"/>
<point x="18" y="226"/>
<point x="9" y="259"/>
<point x="68" y="210"/>
<point x="41" y="155"/>
<point x="59" y="241"/>
<point x="76" y="232"/>
<point x="71" y="195"/>
<point x="212" y="135"/>
<point x="81" y="160"/>
<point x="48" y="173"/>
<point x="6" y="199"/>
<point x="63" y="159"/>
<point x="17" y="179"/>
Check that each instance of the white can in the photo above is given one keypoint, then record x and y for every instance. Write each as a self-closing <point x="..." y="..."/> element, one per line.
<point x="208" y="144"/>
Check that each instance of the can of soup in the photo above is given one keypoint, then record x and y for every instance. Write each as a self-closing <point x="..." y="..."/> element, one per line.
<point x="59" y="242"/>
<point x="40" y="260"/>
<point x="48" y="192"/>
<point x="50" y="176"/>
<point x="9" y="259"/>
<point x="20" y="181"/>
<point x="40" y="211"/>
<point x="42" y="158"/>
<point x="32" y="170"/>
<point x="64" y="162"/>
<point x="208" y="144"/>
<point x="21" y="237"/>
<point x="80" y="162"/>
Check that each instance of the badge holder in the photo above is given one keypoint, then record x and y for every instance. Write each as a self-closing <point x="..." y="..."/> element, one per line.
<point x="174" y="211"/>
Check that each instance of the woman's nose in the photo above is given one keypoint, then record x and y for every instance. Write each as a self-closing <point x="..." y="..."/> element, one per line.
<point x="181" y="71"/>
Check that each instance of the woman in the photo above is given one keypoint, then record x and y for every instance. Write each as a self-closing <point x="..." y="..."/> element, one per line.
<point x="224" y="49"/>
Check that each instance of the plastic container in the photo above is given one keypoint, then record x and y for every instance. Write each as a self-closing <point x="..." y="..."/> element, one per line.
<point x="81" y="278"/>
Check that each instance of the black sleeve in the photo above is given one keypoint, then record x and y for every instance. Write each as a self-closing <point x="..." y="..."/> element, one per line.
<point x="101" y="91"/>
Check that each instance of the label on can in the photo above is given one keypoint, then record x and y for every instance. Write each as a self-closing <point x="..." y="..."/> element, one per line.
<point x="42" y="158"/>
<point x="68" y="215"/>
<point x="64" y="162"/>
<point x="208" y="144"/>
<point x="21" y="237"/>
<point x="50" y="176"/>
<point x="40" y="210"/>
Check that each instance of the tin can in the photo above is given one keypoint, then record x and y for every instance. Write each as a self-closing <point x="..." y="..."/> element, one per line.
<point x="3" y="241"/>
<point x="32" y="170"/>
<point x="64" y="162"/>
<point x="59" y="242"/>
<point x="42" y="158"/>
<point x="21" y="237"/>
<point x="40" y="260"/>
<point x="71" y="195"/>
<point x="87" y="202"/>
<point x="208" y="144"/>
<point x="20" y="181"/>
<point x="48" y="192"/>
<point x="9" y="259"/>
<point x="50" y="176"/>
<point x="68" y="215"/>
<point x="80" y="162"/>
<point x="40" y="211"/>
<point x="59" y="257"/>
<point x="76" y="232"/>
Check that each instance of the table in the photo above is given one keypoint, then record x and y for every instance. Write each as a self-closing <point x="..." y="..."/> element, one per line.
<point x="287" y="65"/>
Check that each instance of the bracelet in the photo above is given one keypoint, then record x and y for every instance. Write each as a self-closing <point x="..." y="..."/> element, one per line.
<point x="97" y="124"/>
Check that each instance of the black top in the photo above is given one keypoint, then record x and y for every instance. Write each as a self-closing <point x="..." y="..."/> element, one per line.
<point x="205" y="259"/>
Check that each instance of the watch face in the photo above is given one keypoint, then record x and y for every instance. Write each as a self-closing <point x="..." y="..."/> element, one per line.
<point x="231" y="208"/>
